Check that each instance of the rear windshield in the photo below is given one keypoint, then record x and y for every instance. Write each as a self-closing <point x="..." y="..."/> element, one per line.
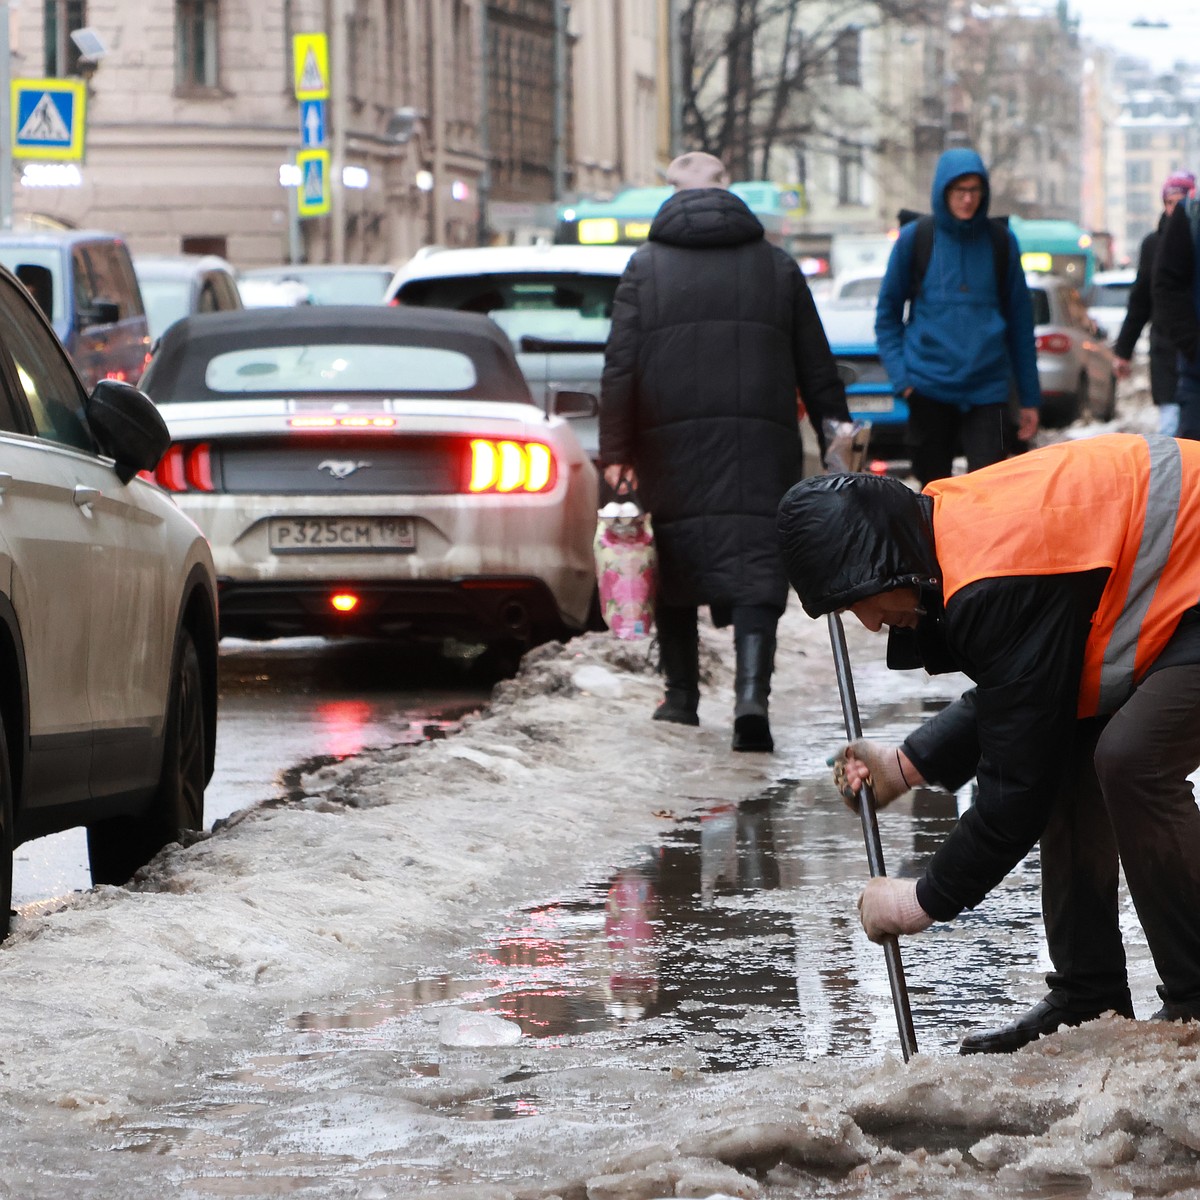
<point x="556" y="306"/>
<point x="166" y="301"/>
<point x="338" y="367"/>
<point x="1041" y="306"/>
<point x="1112" y="295"/>
<point x="48" y="257"/>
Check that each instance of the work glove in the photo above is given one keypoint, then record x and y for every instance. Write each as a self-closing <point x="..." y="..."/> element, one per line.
<point x="890" y="907"/>
<point x="884" y="773"/>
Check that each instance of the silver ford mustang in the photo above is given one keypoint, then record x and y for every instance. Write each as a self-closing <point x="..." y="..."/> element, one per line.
<point x="376" y="471"/>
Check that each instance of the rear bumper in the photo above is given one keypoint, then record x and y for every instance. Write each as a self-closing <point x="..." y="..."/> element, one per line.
<point x="478" y="608"/>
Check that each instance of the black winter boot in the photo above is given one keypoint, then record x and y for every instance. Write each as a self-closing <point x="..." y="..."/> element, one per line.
<point x="752" y="686"/>
<point x="679" y="661"/>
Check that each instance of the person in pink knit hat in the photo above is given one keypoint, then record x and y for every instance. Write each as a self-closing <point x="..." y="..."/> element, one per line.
<point x="1164" y="369"/>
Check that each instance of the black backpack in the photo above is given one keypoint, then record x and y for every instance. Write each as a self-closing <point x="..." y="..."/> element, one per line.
<point x="923" y="251"/>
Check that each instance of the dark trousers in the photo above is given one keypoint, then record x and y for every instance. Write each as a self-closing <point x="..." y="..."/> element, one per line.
<point x="680" y="621"/>
<point x="1127" y="798"/>
<point x="937" y="432"/>
<point x="1187" y="396"/>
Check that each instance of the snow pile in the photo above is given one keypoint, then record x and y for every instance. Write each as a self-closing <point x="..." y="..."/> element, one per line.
<point x="277" y="1009"/>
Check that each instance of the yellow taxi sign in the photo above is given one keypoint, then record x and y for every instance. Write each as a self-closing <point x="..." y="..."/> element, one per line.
<point x="310" y="65"/>
<point x="1036" y="260"/>
<point x="598" y="231"/>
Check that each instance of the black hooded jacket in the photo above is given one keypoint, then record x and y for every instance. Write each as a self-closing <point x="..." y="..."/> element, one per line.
<point x="1020" y="639"/>
<point x="713" y="331"/>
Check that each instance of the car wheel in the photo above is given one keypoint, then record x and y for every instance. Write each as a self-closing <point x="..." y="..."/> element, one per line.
<point x="1083" y="404"/>
<point x="7" y="845"/>
<point x="1110" y="403"/>
<point x="117" y="848"/>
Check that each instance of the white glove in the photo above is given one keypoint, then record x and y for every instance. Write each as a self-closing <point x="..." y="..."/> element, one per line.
<point x="884" y="773"/>
<point x="890" y="906"/>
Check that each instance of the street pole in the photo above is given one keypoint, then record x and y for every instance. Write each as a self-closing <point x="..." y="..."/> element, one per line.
<point x="484" y="190"/>
<point x="6" y="179"/>
<point x="676" y="84"/>
<point x="560" y="98"/>
<point x="339" y="85"/>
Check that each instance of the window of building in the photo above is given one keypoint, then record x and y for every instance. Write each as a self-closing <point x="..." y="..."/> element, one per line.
<point x="60" y="18"/>
<point x="1137" y="171"/>
<point x="850" y="176"/>
<point x="848" y="51"/>
<point x="196" y="63"/>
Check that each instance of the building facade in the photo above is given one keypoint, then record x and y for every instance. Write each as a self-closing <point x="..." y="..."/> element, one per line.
<point x="438" y="113"/>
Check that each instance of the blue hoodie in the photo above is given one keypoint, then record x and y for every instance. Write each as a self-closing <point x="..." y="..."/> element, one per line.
<point x="960" y="346"/>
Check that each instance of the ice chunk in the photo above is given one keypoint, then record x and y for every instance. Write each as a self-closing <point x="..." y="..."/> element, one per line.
<point x="598" y="681"/>
<point x="477" y="1029"/>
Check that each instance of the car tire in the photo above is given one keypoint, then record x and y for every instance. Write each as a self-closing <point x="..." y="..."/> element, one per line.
<point x="1110" y="400"/>
<point x="1083" y="400"/>
<point x="119" y="847"/>
<point x="7" y="835"/>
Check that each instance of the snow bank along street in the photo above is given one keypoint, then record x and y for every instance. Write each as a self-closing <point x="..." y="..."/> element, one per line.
<point x="268" y="1011"/>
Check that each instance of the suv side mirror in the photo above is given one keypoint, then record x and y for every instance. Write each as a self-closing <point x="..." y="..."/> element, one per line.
<point x="99" y="312"/>
<point x="573" y="405"/>
<point x="128" y="427"/>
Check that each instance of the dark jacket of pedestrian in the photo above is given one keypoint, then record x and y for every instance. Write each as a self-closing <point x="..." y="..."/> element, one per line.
<point x="1139" y="314"/>
<point x="1176" y="293"/>
<point x="967" y="335"/>
<point x="714" y="330"/>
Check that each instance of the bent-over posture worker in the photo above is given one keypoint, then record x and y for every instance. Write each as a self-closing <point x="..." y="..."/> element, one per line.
<point x="1066" y="584"/>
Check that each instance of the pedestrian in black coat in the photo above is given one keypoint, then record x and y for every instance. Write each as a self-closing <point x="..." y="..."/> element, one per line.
<point x="714" y="332"/>
<point x="1164" y="371"/>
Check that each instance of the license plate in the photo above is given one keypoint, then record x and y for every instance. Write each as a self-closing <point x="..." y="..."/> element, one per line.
<point x="324" y="535"/>
<point x="870" y="403"/>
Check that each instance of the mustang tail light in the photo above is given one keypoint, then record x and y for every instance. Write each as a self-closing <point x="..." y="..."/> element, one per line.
<point x="186" y="468"/>
<point x="1053" y="343"/>
<point x="500" y="465"/>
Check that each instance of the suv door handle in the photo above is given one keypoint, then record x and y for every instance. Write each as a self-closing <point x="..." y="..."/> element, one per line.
<point x="83" y="496"/>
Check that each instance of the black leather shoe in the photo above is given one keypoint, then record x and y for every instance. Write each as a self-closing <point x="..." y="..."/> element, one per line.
<point x="679" y="706"/>
<point x="1043" y="1018"/>
<point x="1178" y="1010"/>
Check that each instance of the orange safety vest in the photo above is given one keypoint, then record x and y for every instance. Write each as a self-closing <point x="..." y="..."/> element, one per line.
<point x="1123" y="502"/>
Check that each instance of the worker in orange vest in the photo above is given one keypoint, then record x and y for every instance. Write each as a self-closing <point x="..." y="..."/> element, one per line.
<point x="1066" y="584"/>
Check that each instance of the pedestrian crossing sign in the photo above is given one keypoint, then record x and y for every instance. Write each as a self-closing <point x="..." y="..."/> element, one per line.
<point x="312" y="197"/>
<point x="310" y="62"/>
<point x="48" y="118"/>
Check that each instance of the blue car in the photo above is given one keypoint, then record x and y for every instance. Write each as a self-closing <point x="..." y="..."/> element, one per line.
<point x="83" y="280"/>
<point x="850" y="328"/>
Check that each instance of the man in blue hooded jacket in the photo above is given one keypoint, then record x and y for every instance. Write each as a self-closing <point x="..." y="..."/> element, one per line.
<point x="968" y="336"/>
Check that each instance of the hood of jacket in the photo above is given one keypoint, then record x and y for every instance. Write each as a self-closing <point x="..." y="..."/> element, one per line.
<point x="952" y="165"/>
<point x="701" y="217"/>
<point x="846" y="537"/>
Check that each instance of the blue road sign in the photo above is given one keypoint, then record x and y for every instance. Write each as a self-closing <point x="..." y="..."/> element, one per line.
<point x="312" y="123"/>
<point x="47" y="118"/>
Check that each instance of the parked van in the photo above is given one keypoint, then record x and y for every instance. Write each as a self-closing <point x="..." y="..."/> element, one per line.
<point x="83" y="281"/>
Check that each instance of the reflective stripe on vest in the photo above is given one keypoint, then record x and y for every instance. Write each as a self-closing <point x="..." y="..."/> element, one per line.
<point x="1120" y="502"/>
<point x="1154" y="548"/>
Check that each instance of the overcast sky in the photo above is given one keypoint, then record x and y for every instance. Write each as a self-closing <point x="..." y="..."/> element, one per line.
<point x="1110" y="22"/>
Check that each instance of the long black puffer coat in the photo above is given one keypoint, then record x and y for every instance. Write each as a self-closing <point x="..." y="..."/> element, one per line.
<point x="713" y="331"/>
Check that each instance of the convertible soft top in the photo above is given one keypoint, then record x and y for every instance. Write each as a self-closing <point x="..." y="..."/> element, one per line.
<point x="177" y="371"/>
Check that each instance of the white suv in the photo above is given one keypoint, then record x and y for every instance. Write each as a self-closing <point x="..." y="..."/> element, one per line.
<point x="553" y="302"/>
<point x="108" y="668"/>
